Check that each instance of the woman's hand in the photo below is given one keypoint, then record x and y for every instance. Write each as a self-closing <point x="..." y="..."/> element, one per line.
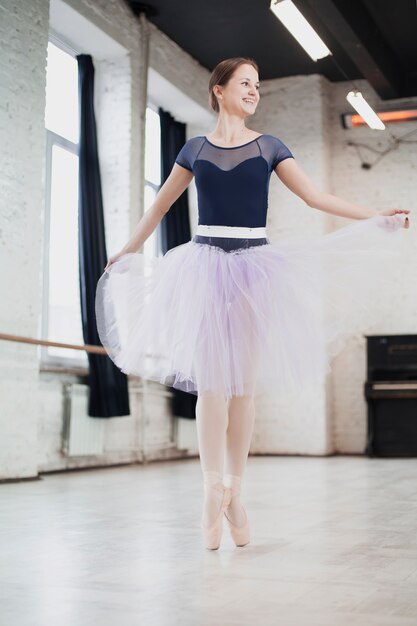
<point x="113" y="259"/>
<point x="394" y="212"/>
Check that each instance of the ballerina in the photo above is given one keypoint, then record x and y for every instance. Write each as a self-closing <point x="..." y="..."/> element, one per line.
<point x="228" y="313"/>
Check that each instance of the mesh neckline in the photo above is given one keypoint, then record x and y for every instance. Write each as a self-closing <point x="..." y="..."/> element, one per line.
<point x="232" y="147"/>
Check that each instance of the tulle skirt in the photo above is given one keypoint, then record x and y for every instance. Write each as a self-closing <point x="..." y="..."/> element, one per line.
<point x="234" y="316"/>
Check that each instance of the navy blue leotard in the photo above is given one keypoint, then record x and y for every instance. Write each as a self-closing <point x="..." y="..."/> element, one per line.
<point x="232" y="183"/>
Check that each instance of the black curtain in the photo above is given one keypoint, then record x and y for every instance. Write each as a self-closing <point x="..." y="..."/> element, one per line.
<point x="108" y="396"/>
<point x="174" y="229"/>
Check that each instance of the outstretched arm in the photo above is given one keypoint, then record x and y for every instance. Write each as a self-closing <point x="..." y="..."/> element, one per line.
<point x="176" y="183"/>
<point x="299" y="183"/>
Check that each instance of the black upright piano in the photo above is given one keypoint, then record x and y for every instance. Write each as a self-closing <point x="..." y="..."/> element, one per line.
<point x="391" y="395"/>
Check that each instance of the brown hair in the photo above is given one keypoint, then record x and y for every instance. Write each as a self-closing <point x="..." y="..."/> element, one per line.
<point x="222" y="73"/>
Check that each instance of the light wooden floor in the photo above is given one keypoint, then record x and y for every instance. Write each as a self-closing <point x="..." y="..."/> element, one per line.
<point x="334" y="543"/>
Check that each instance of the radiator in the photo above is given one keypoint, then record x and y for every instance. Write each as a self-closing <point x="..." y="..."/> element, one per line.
<point x="82" y="435"/>
<point x="186" y="434"/>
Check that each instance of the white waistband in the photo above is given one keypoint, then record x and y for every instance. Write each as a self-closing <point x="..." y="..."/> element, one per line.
<point x="243" y="232"/>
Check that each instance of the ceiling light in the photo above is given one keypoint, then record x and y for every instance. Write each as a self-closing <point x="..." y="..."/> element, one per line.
<point x="298" y="26"/>
<point x="360" y="105"/>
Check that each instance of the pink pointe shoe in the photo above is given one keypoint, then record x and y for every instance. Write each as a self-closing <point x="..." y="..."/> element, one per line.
<point x="240" y="534"/>
<point x="212" y="534"/>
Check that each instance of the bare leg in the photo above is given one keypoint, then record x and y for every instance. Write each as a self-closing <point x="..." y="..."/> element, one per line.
<point x="211" y="421"/>
<point x="241" y="412"/>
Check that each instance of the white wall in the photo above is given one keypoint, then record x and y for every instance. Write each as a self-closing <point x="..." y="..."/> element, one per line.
<point x="392" y="182"/>
<point x="303" y="111"/>
<point x="31" y="397"/>
<point x="294" y="109"/>
<point x="23" y="41"/>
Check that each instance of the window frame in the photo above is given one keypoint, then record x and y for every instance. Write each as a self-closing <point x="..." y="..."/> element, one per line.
<point x="54" y="139"/>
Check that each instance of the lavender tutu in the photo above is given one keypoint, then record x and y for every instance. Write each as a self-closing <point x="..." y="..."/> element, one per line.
<point x="216" y="315"/>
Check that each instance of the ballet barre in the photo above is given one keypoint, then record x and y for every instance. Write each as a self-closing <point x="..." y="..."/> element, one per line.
<point x="56" y="344"/>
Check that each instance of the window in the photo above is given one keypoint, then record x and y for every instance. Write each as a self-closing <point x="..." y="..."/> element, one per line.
<point x="152" y="172"/>
<point x="61" y="309"/>
<point x="61" y="312"/>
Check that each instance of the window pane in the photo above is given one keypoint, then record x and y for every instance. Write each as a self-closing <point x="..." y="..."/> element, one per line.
<point x="149" y="247"/>
<point x="61" y="112"/>
<point x="152" y="147"/>
<point x="64" y="321"/>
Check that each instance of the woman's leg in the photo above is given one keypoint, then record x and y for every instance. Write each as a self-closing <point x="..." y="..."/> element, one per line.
<point x="241" y="412"/>
<point x="241" y="408"/>
<point x="211" y="421"/>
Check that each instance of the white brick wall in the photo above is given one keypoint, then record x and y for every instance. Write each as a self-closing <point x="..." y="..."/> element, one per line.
<point x="31" y="411"/>
<point x="390" y="183"/>
<point x="292" y="109"/>
<point x="113" y="106"/>
<point x="23" y="40"/>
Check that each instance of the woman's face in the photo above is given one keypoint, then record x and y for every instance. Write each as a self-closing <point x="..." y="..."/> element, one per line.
<point x="241" y="94"/>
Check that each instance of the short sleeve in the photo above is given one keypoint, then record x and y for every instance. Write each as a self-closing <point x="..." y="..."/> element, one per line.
<point x="184" y="157"/>
<point x="281" y="152"/>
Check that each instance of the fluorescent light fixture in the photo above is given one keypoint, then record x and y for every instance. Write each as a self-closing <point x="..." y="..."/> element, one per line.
<point x="360" y="105"/>
<point x="295" y="22"/>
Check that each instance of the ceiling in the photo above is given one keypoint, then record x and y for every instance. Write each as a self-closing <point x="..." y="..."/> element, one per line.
<point x="371" y="39"/>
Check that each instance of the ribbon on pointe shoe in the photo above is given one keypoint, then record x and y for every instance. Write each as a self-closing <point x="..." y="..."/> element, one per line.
<point x="218" y="499"/>
<point x="239" y="532"/>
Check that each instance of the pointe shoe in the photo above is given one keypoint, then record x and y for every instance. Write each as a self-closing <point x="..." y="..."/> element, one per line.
<point x="212" y="534"/>
<point x="240" y="534"/>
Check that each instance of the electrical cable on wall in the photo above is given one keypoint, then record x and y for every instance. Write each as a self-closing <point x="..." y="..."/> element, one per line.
<point x="394" y="143"/>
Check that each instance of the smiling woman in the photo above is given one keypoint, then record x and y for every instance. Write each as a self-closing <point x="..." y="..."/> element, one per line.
<point x="234" y="80"/>
<point x="229" y="313"/>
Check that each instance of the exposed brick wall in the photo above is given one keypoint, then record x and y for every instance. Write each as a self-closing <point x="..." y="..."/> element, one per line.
<point x="390" y="183"/>
<point x="23" y="41"/>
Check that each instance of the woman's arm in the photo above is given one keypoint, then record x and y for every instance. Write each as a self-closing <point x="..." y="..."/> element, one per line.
<point x="299" y="183"/>
<point x="176" y="183"/>
<point x="173" y="187"/>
